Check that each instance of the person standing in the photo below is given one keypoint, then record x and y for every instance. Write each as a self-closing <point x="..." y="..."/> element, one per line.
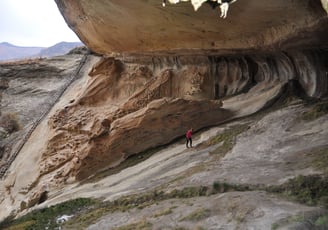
<point x="189" y="138"/>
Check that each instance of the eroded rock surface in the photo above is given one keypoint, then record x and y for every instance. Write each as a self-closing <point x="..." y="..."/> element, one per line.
<point x="161" y="72"/>
<point x="28" y="90"/>
<point x="104" y="125"/>
<point x="146" y="26"/>
<point x="122" y="107"/>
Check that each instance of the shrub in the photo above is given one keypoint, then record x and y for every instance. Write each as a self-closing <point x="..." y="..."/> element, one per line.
<point x="9" y="122"/>
<point x="46" y="218"/>
<point x="310" y="190"/>
<point x="316" y="111"/>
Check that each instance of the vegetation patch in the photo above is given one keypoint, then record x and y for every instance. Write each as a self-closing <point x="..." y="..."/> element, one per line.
<point x="197" y="215"/>
<point x="47" y="218"/>
<point x="164" y="212"/>
<point x="9" y="122"/>
<point x="219" y="187"/>
<point x="142" y="225"/>
<point x="287" y="221"/>
<point x="315" y="111"/>
<point x="322" y="221"/>
<point x="227" y="138"/>
<point x="319" y="159"/>
<point x="126" y="203"/>
<point x="309" y="190"/>
<point x="307" y="220"/>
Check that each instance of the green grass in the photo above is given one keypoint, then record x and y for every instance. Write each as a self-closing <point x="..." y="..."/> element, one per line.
<point x="228" y="139"/>
<point x="319" y="159"/>
<point x="138" y="201"/>
<point x="197" y="215"/>
<point x="315" y="220"/>
<point x="46" y="218"/>
<point x="322" y="221"/>
<point x="310" y="190"/>
<point x="142" y="225"/>
<point x="315" y="111"/>
<point x="287" y="221"/>
<point x="164" y="212"/>
<point x="222" y="187"/>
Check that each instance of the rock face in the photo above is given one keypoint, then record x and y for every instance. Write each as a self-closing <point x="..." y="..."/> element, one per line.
<point x="127" y="107"/>
<point x="146" y="26"/>
<point x="162" y="71"/>
<point x="28" y="90"/>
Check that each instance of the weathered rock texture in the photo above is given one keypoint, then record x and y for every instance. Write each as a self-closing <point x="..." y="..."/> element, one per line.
<point x="145" y="26"/>
<point x="325" y="4"/>
<point x="28" y="90"/>
<point x="113" y="118"/>
<point x="168" y="74"/>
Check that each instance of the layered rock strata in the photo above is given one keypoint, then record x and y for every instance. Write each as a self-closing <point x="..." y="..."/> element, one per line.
<point x="177" y="78"/>
<point x="129" y="106"/>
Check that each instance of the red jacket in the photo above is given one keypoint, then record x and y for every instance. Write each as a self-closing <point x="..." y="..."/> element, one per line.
<point x="189" y="133"/>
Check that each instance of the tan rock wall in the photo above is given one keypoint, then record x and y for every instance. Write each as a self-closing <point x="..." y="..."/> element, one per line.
<point x="116" y="26"/>
<point x="113" y="118"/>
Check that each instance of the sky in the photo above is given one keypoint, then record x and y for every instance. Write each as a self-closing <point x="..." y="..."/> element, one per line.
<point x="33" y="23"/>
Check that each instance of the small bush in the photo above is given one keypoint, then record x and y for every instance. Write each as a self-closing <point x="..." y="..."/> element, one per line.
<point x="197" y="215"/>
<point x="142" y="225"/>
<point x="163" y="212"/>
<point x="228" y="139"/>
<point x="322" y="221"/>
<point x="316" y="111"/>
<point x="46" y="218"/>
<point x="310" y="190"/>
<point x="9" y="122"/>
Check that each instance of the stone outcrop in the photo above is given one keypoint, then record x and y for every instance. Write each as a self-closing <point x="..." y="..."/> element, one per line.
<point x="28" y="90"/>
<point x="114" y="26"/>
<point x="127" y="107"/>
<point x="162" y="71"/>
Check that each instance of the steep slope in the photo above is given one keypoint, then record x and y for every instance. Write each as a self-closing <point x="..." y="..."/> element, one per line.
<point x="224" y="182"/>
<point x="105" y="117"/>
<point x="161" y="71"/>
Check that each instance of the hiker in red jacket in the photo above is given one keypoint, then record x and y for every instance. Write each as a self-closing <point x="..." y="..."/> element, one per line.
<point x="189" y="138"/>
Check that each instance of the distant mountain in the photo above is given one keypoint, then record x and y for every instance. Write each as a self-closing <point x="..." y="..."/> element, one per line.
<point x="9" y="51"/>
<point x="59" y="49"/>
<point x="12" y="52"/>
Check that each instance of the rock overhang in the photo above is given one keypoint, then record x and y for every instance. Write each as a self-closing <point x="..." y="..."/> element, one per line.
<point x="116" y="26"/>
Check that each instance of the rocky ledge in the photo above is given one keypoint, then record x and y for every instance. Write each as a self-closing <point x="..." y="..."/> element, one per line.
<point x="115" y="26"/>
<point x="155" y="72"/>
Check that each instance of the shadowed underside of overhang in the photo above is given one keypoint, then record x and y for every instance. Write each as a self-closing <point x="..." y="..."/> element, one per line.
<point x="116" y="26"/>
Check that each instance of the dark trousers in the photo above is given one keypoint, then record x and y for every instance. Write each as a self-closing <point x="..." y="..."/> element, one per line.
<point x="189" y="140"/>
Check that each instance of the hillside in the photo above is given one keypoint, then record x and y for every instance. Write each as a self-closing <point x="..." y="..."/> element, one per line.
<point x="12" y="52"/>
<point x="59" y="49"/>
<point x="234" y="177"/>
<point x="95" y="139"/>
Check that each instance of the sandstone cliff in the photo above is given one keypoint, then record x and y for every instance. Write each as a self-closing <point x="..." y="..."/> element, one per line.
<point x="157" y="73"/>
<point x="114" y="26"/>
